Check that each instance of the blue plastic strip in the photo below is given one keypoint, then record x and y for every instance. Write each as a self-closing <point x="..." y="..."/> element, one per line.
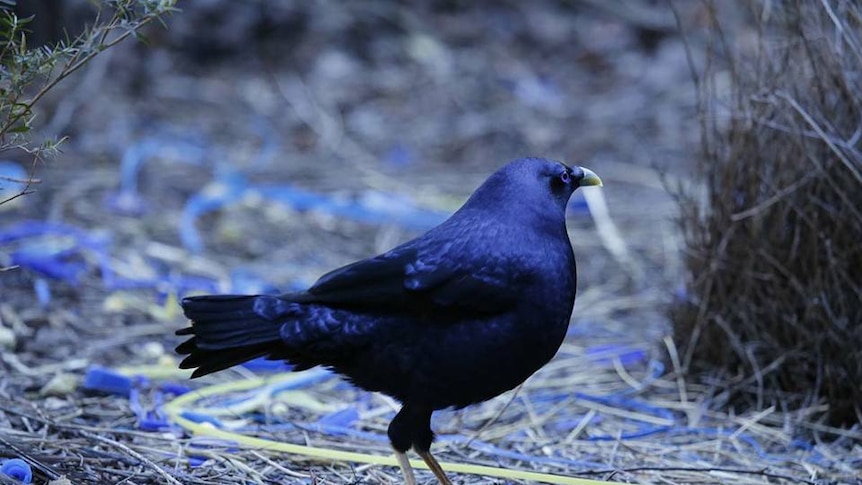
<point x="17" y="469"/>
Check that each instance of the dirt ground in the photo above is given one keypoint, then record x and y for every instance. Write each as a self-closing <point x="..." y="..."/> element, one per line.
<point x="255" y="146"/>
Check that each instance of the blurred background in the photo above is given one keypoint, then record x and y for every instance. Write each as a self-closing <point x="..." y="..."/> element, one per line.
<point x="274" y="140"/>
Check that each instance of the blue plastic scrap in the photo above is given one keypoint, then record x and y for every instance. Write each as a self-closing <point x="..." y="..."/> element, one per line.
<point x="56" y="251"/>
<point x="174" y="388"/>
<point x="197" y="417"/>
<point x="17" y="469"/>
<point x="371" y="207"/>
<point x="228" y="187"/>
<point x="150" y="417"/>
<point x="127" y="200"/>
<point x="102" y="379"/>
<point x="344" y="417"/>
<point x="262" y="364"/>
<point x="43" y="291"/>
<point x="606" y="354"/>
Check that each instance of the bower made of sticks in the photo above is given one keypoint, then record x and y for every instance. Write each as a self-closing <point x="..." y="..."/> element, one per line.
<point x="772" y="312"/>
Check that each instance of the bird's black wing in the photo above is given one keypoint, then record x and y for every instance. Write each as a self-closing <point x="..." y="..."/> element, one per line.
<point x="404" y="279"/>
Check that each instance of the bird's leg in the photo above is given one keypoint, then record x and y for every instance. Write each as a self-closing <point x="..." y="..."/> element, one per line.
<point x="401" y="437"/>
<point x="406" y="468"/>
<point x="412" y="427"/>
<point x="435" y="467"/>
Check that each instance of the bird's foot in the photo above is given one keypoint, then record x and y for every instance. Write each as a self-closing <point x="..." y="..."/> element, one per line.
<point x="435" y="467"/>
<point x="406" y="468"/>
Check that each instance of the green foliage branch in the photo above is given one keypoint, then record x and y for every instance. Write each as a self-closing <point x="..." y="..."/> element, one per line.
<point x="28" y="74"/>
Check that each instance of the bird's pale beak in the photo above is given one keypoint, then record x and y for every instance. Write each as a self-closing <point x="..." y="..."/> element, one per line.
<point x="590" y="178"/>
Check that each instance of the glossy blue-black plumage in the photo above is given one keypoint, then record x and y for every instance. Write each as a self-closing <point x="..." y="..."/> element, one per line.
<point x="457" y="316"/>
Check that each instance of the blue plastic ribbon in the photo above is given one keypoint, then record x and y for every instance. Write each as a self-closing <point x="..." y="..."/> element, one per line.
<point x="17" y="469"/>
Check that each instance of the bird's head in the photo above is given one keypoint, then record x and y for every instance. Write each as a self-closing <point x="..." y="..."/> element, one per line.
<point x="533" y="185"/>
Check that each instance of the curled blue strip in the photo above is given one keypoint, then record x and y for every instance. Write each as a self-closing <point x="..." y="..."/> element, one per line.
<point x="57" y="255"/>
<point x="127" y="199"/>
<point x="606" y="353"/>
<point x="370" y="207"/>
<point x="17" y="469"/>
<point x="231" y="186"/>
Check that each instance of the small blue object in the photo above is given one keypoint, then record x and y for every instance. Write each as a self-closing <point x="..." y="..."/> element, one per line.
<point x="262" y="364"/>
<point x="43" y="291"/>
<point x="103" y="379"/>
<point x="17" y="469"/>
<point x="343" y="418"/>
<point x="605" y="354"/>
<point x="149" y="418"/>
<point x="201" y="418"/>
<point x="127" y="200"/>
<point x="128" y="203"/>
<point x="174" y="388"/>
<point x="229" y="187"/>
<point x="56" y="251"/>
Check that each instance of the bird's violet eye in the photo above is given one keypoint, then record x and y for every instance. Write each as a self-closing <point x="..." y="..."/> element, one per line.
<point x="564" y="177"/>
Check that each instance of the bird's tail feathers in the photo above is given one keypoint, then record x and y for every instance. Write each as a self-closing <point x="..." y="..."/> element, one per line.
<point x="228" y="330"/>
